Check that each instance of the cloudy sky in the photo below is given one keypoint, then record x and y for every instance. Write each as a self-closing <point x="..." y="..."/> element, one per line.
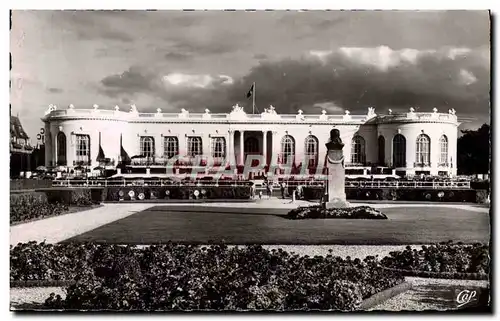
<point x="317" y="60"/>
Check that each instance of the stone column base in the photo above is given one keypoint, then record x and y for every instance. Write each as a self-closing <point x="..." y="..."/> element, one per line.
<point x="337" y="203"/>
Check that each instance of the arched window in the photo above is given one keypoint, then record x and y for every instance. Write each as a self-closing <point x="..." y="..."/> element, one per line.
<point x="218" y="147"/>
<point x="381" y="150"/>
<point x="443" y="148"/>
<point x="287" y="149"/>
<point x="358" y="150"/>
<point x="170" y="146"/>
<point x="195" y="146"/>
<point x="399" y="151"/>
<point x="423" y="149"/>
<point x="311" y="148"/>
<point x="61" y="149"/>
<point x="83" y="149"/>
<point x="251" y="146"/>
<point x="147" y="146"/>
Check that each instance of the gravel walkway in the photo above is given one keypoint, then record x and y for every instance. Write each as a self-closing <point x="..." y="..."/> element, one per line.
<point x="354" y="251"/>
<point x="286" y="203"/>
<point x="28" y="298"/>
<point x="59" y="228"/>
<point x="429" y="294"/>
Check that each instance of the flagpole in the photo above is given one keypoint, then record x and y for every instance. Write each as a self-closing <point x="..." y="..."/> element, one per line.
<point x="253" y="98"/>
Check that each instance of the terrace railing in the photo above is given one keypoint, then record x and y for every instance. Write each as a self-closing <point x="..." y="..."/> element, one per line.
<point x="348" y="184"/>
<point x="100" y="183"/>
<point x="409" y="184"/>
<point x="242" y="116"/>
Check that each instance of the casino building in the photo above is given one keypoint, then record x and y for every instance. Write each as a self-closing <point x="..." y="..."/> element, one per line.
<point x="403" y="143"/>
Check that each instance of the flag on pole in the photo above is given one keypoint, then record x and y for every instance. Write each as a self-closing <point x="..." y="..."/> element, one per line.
<point x="250" y="92"/>
<point x="123" y="154"/>
<point x="100" y="156"/>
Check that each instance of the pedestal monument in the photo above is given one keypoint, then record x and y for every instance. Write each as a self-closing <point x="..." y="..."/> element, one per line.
<point x="336" y="172"/>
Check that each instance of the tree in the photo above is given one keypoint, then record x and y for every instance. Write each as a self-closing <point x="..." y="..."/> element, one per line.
<point x="474" y="151"/>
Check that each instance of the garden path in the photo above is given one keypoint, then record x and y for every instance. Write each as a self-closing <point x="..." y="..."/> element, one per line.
<point x="58" y="228"/>
<point x="275" y="202"/>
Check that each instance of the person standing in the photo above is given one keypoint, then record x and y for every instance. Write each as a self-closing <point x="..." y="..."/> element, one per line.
<point x="299" y="192"/>
<point x="283" y="187"/>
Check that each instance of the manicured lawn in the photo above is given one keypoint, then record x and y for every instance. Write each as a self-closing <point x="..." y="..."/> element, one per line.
<point x="189" y="224"/>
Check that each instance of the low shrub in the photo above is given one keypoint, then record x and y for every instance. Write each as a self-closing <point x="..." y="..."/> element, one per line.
<point x="27" y="207"/>
<point x="482" y="196"/>
<point x="74" y="196"/>
<point x="313" y="192"/>
<point x="177" y="192"/>
<point x="187" y="277"/>
<point x="450" y="258"/>
<point x="316" y="211"/>
<point x="401" y="194"/>
<point x="29" y="184"/>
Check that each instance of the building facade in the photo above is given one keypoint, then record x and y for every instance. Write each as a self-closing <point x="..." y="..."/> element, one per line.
<point x="409" y="143"/>
<point x="20" y="148"/>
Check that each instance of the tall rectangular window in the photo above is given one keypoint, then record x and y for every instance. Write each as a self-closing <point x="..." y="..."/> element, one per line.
<point x="147" y="146"/>
<point x="170" y="146"/>
<point x="443" y="146"/>
<point x="83" y="149"/>
<point x="218" y="145"/>
<point x="423" y="150"/>
<point x="358" y="155"/>
<point x="194" y="146"/>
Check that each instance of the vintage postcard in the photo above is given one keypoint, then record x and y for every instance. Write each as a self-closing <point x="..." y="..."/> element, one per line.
<point x="250" y="161"/>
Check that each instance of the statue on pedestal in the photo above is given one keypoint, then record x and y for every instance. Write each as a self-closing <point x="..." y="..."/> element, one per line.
<point x="334" y="147"/>
<point x="336" y="172"/>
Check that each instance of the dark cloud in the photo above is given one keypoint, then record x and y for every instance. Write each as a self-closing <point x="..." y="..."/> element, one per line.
<point x="260" y="56"/>
<point x="434" y="79"/>
<point x="177" y="56"/>
<point x="94" y="24"/>
<point x="132" y="81"/>
<point x="397" y="29"/>
<point x="209" y="46"/>
<point x="92" y="33"/>
<point x="54" y="90"/>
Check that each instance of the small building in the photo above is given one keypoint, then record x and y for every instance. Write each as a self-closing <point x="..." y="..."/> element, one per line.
<point x="20" y="148"/>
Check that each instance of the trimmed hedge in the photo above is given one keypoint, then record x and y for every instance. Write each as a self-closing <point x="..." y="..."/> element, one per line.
<point x="26" y="184"/>
<point x="434" y="195"/>
<point x="177" y="192"/>
<point x="186" y="277"/>
<point x="445" y="260"/>
<point x="26" y="207"/>
<point x="74" y="196"/>
<point x="315" y="211"/>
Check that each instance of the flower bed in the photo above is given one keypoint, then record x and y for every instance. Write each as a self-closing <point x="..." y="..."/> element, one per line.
<point x="183" y="277"/>
<point x="177" y="192"/>
<point x="25" y="207"/>
<point x="443" y="260"/>
<point x="316" y="211"/>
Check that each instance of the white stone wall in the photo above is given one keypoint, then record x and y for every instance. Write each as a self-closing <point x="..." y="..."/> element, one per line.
<point x="411" y="131"/>
<point x="131" y="127"/>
